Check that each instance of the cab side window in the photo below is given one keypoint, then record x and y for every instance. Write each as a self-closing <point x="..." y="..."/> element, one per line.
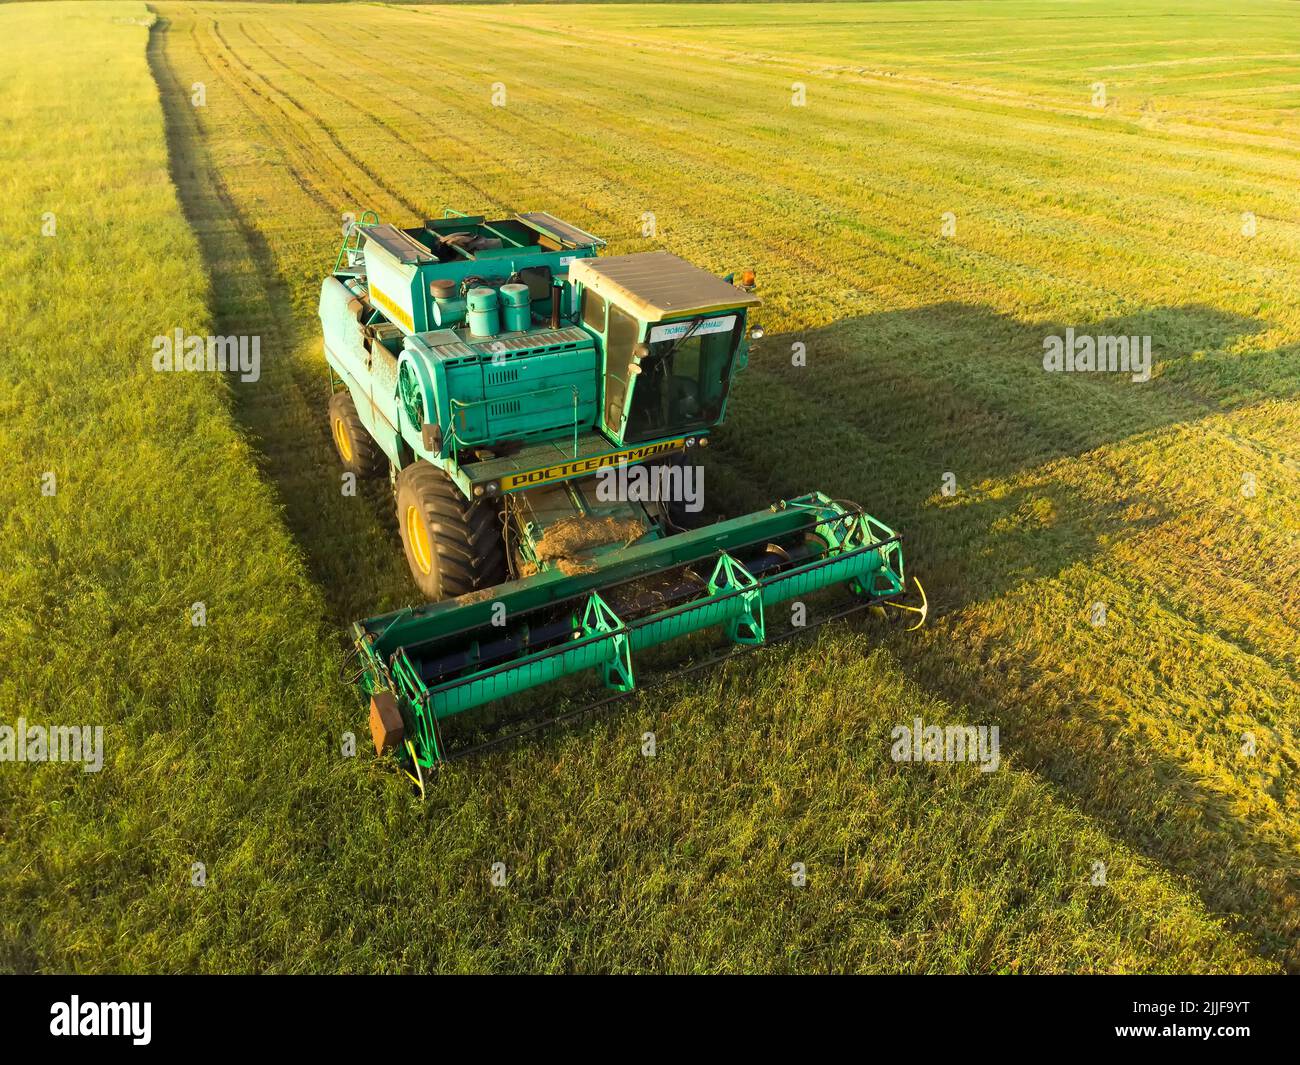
<point x="623" y="330"/>
<point x="593" y="311"/>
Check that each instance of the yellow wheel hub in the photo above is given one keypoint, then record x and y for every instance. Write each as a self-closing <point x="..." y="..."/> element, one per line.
<point x="341" y="440"/>
<point x="418" y="537"/>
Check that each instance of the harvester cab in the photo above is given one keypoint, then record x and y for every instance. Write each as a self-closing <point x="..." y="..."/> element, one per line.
<point x="502" y="373"/>
<point x="672" y="336"/>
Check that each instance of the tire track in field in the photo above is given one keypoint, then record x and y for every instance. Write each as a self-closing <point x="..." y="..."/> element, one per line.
<point x="310" y="121"/>
<point x="346" y="541"/>
<point x="375" y="119"/>
<point x="471" y="150"/>
<point x="241" y="91"/>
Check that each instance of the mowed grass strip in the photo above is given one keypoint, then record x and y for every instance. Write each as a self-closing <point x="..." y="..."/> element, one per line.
<point x="222" y="741"/>
<point x="925" y="354"/>
<point x="154" y="505"/>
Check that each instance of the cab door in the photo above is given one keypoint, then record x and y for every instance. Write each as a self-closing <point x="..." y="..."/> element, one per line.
<point x="620" y="333"/>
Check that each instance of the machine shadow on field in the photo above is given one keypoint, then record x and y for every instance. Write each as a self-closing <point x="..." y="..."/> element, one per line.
<point x="888" y="404"/>
<point x="284" y="412"/>
<point x="960" y="388"/>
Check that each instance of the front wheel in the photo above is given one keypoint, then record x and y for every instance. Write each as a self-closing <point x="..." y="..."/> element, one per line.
<point x="453" y="545"/>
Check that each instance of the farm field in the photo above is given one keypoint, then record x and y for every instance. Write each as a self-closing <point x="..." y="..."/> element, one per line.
<point x="948" y="190"/>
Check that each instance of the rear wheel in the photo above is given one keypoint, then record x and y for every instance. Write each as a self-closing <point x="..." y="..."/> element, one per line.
<point x="356" y="447"/>
<point x="453" y="546"/>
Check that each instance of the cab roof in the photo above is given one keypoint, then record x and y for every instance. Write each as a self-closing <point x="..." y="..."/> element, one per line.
<point x="657" y="285"/>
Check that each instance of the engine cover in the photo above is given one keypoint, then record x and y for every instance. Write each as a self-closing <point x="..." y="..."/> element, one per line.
<point x="517" y="387"/>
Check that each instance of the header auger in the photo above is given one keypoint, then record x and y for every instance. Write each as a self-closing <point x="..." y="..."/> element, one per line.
<point x="494" y="369"/>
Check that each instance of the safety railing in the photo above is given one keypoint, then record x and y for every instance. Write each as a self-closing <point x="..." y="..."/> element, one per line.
<point x="352" y="237"/>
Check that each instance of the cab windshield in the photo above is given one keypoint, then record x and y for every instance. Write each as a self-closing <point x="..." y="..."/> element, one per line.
<point x="683" y="380"/>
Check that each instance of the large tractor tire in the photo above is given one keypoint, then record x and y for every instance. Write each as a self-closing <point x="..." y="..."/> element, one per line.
<point x="453" y="546"/>
<point x="356" y="447"/>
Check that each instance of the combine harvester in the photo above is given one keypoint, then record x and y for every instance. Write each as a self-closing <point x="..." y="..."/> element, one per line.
<point x="492" y="369"/>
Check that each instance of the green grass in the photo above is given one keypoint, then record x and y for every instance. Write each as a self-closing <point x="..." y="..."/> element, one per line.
<point x="158" y="505"/>
<point x="1120" y="744"/>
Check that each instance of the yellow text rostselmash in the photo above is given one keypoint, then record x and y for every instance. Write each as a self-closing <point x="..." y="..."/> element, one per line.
<point x="578" y="467"/>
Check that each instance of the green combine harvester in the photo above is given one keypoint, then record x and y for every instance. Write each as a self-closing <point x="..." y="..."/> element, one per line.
<point x="493" y="369"/>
